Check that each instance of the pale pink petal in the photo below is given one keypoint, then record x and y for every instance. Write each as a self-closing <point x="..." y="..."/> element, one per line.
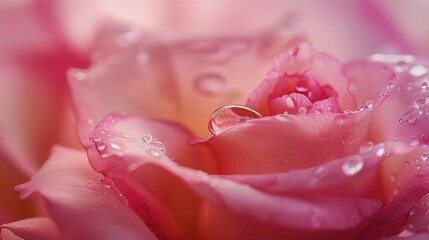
<point x="304" y="60"/>
<point x="128" y="168"/>
<point x="354" y="175"/>
<point x="315" y="139"/>
<point x="39" y="228"/>
<point x="82" y="203"/>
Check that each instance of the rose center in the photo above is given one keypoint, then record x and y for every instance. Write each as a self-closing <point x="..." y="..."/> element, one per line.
<point x="301" y="94"/>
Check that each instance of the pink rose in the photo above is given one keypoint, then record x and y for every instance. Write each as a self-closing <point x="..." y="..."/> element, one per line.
<point x="319" y="151"/>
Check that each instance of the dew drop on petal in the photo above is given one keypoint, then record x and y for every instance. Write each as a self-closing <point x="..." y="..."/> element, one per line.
<point x="115" y="146"/>
<point x="147" y="138"/>
<point x="407" y="232"/>
<point x="366" y="147"/>
<point x="414" y="141"/>
<point x="320" y="172"/>
<point x="424" y="156"/>
<point x="101" y="146"/>
<point x="425" y="84"/>
<point x="369" y="104"/>
<point x="210" y="84"/>
<point x="159" y="146"/>
<point x="418" y="70"/>
<point x="79" y="75"/>
<point x="230" y="116"/>
<point x="353" y="165"/>
<point x="420" y="101"/>
<point x="154" y="152"/>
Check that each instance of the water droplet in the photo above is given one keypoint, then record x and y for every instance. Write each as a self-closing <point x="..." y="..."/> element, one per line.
<point x="210" y="84"/>
<point x="414" y="141"/>
<point x="406" y="164"/>
<point x="361" y="107"/>
<point x="418" y="70"/>
<point x="302" y="110"/>
<point x="147" y="138"/>
<point x="230" y="116"/>
<point x="101" y="146"/>
<point x="79" y="75"/>
<point x="366" y="147"/>
<point x="154" y="152"/>
<point x="320" y="172"/>
<point x="391" y="84"/>
<point x="353" y="165"/>
<point x="158" y="145"/>
<point x="115" y="146"/>
<point x="407" y="232"/>
<point x="127" y="134"/>
<point x="420" y="101"/>
<point x="369" y="104"/>
<point x="289" y="102"/>
<point x="424" y="156"/>
<point x="89" y="185"/>
<point x="380" y="152"/>
<point x="90" y="121"/>
<point x="302" y="86"/>
<point x="425" y="84"/>
<point x="412" y="120"/>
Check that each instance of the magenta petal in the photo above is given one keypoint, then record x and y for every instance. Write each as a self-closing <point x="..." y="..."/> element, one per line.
<point x="32" y="228"/>
<point x="81" y="203"/>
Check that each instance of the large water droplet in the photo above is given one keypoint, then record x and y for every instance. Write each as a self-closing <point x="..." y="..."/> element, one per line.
<point x="210" y="84"/>
<point x="230" y="116"/>
<point x="353" y="165"/>
<point x="418" y="70"/>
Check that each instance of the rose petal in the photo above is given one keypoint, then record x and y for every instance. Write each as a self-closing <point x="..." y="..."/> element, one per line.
<point x="126" y="168"/>
<point x="276" y="135"/>
<point x="307" y="61"/>
<point x="334" y="177"/>
<point x="405" y="183"/>
<point x="408" y="103"/>
<point x="80" y="202"/>
<point x="32" y="228"/>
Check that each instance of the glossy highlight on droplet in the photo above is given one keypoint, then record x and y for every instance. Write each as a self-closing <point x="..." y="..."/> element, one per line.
<point x="230" y="116"/>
